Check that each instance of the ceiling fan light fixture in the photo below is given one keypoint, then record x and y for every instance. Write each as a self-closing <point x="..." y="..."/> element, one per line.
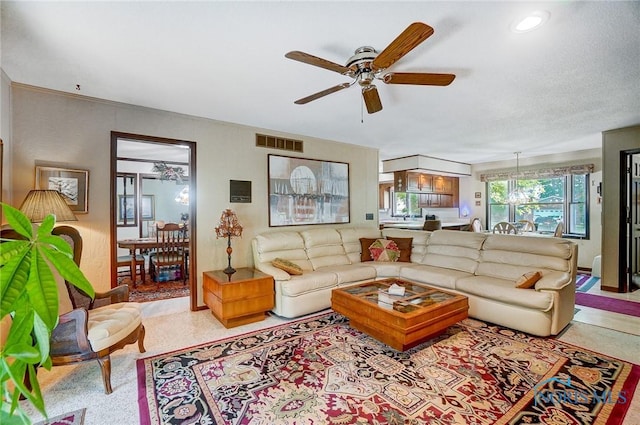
<point x="530" y="22"/>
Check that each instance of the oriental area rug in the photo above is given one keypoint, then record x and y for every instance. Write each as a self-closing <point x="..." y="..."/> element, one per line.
<point x="321" y="371"/>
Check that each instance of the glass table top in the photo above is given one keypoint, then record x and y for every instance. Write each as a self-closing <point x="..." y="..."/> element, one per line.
<point x="415" y="296"/>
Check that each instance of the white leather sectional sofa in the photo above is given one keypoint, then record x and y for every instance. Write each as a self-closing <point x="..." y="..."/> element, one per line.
<point x="483" y="267"/>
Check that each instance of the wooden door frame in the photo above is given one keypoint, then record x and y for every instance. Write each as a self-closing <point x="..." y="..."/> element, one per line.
<point x="115" y="136"/>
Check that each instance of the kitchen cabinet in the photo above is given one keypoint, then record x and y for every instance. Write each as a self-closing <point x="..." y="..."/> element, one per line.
<point x="434" y="191"/>
<point x="405" y="181"/>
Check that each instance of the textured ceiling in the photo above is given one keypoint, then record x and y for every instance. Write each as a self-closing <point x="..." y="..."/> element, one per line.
<point x="551" y="90"/>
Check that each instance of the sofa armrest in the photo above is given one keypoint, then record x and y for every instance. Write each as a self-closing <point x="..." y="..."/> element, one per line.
<point x="278" y="274"/>
<point x="554" y="281"/>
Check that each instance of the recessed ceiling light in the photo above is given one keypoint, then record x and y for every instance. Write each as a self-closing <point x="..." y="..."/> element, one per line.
<point x="530" y="22"/>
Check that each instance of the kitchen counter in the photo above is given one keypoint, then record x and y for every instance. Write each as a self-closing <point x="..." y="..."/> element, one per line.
<point x="451" y="224"/>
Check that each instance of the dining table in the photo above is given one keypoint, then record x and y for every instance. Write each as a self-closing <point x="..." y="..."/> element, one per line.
<point x="142" y="245"/>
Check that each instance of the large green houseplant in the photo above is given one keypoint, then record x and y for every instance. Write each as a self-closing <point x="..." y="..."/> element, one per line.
<point x="30" y="297"/>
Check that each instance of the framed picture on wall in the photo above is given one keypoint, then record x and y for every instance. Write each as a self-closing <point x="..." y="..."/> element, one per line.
<point x="71" y="183"/>
<point x="307" y="191"/>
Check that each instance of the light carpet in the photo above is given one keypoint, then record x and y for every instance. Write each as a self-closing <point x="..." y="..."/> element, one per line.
<point x="319" y="370"/>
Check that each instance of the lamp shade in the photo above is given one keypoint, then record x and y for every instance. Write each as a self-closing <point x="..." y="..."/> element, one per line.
<point x="229" y="225"/>
<point x="40" y="203"/>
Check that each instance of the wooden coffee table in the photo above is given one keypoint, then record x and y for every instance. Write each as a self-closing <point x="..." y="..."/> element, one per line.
<point x="401" y="322"/>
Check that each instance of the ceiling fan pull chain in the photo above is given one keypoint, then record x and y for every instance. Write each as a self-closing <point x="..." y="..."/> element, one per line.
<point x="361" y="111"/>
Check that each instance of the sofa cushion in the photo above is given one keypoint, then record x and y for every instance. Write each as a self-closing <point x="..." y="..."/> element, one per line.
<point x="431" y="275"/>
<point x="288" y="245"/>
<point x="308" y="282"/>
<point x="386" y="268"/>
<point x="528" y="280"/>
<point x="509" y="257"/>
<point x="503" y="291"/>
<point x="454" y="250"/>
<point x="384" y="250"/>
<point x="324" y="248"/>
<point x="351" y="273"/>
<point x="351" y="240"/>
<point x="288" y="266"/>
<point x="404" y="244"/>
<point x="365" y="243"/>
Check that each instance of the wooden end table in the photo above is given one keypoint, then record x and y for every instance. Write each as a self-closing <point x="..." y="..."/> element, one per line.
<point x="237" y="299"/>
<point x="401" y="322"/>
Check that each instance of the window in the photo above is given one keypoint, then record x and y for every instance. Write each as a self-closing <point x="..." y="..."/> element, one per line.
<point x="550" y="201"/>
<point x="406" y="204"/>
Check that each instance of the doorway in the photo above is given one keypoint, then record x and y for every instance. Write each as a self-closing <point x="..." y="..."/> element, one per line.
<point x="151" y="182"/>
<point x="630" y="221"/>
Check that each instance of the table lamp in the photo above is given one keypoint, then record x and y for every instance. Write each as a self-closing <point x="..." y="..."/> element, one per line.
<point x="229" y="227"/>
<point x="40" y="203"/>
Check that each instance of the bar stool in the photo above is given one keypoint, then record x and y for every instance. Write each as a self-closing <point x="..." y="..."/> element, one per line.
<point x="125" y="261"/>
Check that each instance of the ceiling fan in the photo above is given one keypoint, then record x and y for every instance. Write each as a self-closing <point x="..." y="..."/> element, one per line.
<point x="367" y="65"/>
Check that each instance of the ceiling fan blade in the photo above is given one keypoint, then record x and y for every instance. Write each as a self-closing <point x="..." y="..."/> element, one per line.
<point x="415" y="34"/>
<point x="316" y="61"/>
<point x="322" y="93"/>
<point x="416" y="78"/>
<point x="371" y="99"/>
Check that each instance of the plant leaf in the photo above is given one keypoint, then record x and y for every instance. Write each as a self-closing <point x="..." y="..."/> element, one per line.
<point x="46" y="226"/>
<point x="43" y="338"/>
<point x="11" y="249"/>
<point x="13" y="281"/>
<point x="18" y="221"/>
<point x="43" y="290"/>
<point x="58" y="243"/>
<point x="68" y="269"/>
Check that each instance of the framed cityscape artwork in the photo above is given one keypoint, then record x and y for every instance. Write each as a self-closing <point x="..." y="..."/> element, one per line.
<point x="72" y="184"/>
<point x="307" y="191"/>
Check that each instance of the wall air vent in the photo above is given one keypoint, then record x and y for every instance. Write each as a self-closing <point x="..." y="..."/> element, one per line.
<point x="264" y="141"/>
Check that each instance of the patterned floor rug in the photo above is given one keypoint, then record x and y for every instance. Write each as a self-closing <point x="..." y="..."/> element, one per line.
<point x="584" y="282"/>
<point x="154" y="291"/>
<point x="320" y="371"/>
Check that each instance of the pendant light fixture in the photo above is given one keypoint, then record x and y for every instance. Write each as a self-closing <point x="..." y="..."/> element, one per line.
<point x="517" y="196"/>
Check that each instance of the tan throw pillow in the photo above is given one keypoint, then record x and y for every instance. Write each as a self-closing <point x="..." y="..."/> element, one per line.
<point x="384" y="250"/>
<point x="287" y="266"/>
<point x="528" y="280"/>
<point x="404" y="244"/>
<point x="365" y="243"/>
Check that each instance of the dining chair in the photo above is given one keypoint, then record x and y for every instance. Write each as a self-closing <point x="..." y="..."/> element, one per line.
<point x="504" y="227"/>
<point x="125" y="261"/>
<point x="527" y="226"/>
<point x="476" y="225"/>
<point x="170" y="253"/>
<point x="559" y="230"/>
<point x="432" y="225"/>
<point x="91" y="328"/>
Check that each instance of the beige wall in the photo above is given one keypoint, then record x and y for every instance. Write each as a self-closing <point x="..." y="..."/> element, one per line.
<point x="59" y="129"/>
<point x="613" y="142"/>
<point x="587" y="249"/>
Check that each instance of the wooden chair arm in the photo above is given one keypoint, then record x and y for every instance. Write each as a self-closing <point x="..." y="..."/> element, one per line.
<point x="119" y="294"/>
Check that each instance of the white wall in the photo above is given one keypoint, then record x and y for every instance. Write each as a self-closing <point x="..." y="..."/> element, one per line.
<point x="67" y="130"/>
<point x="5" y="134"/>
<point x="614" y="142"/>
<point x="587" y="249"/>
